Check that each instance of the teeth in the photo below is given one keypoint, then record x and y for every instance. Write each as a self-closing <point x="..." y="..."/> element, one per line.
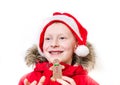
<point x="55" y="53"/>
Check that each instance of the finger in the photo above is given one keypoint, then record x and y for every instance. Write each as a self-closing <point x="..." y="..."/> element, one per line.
<point x="63" y="82"/>
<point x="26" y="82"/>
<point x="50" y="68"/>
<point x="63" y="67"/>
<point x="34" y="83"/>
<point x="68" y="79"/>
<point x="41" y="80"/>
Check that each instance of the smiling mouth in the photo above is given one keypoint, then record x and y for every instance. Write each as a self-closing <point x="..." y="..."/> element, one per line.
<point x="55" y="52"/>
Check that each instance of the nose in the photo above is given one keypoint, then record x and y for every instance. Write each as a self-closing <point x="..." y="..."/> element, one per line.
<point x="54" y="43"/>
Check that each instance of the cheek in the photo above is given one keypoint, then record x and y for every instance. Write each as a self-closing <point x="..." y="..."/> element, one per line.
<point x="69" y="46"/>
<point x="45" y="46"/>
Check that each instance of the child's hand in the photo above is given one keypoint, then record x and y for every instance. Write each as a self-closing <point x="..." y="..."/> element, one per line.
<point x="41" y="81"/>
<point x="66" y="81"/>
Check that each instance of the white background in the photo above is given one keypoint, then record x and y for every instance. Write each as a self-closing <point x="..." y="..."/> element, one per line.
<point x="20" y="21"/>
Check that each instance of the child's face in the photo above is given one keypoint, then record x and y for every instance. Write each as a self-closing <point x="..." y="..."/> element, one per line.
<point x="59" y="43"/>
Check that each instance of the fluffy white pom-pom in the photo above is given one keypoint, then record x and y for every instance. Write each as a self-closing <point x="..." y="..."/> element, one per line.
<point x="82" y="51"/>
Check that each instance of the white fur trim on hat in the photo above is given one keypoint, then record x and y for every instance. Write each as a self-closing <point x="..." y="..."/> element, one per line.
<point x="82" y="51"/>
<point x="67" y="20"/>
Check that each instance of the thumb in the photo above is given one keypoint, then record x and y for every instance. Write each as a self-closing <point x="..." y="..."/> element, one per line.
<point x="41" y="81"/>
<point x="26" y="82"/>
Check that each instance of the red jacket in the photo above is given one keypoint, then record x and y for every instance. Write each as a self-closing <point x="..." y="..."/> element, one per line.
<point x="76" y="72"/>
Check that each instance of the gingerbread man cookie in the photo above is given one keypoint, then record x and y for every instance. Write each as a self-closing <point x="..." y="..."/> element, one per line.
<point x="57" y="70"/>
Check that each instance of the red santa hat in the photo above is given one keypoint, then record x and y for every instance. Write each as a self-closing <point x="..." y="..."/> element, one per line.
<point x="76" y="28"/>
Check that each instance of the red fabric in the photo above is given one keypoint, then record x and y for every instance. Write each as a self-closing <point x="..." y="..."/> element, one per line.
<point x="76" y="72"/>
